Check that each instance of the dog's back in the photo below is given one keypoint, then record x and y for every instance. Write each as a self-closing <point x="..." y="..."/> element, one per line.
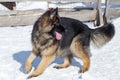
<point x="74" y="27"/>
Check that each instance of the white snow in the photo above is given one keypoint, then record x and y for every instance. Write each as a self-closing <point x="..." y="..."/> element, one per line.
<point x="15" y="47"/>
<point x="28" y="5"/>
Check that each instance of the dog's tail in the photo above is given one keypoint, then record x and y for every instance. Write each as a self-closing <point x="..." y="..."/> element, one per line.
<point x="102" y="35"/>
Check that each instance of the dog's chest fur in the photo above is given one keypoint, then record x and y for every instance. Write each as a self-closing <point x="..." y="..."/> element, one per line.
<point x="42" y="40"/>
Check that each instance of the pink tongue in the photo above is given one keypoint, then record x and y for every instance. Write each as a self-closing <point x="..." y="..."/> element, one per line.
<point x="58" y="36"/>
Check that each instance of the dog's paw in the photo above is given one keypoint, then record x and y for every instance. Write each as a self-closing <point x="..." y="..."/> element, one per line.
<point x="32" y="75"/>
<point x="58" y="67"/>
<point x="83" y="69"/>
<point x="28" y="67"/>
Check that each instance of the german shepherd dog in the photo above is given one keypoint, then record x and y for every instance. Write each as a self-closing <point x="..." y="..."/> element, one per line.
<point x="54" y="36"/>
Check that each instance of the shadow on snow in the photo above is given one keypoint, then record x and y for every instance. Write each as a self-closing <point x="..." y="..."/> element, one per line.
<point x="23" y="55"/>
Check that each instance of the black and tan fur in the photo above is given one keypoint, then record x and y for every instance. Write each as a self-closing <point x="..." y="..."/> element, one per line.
<point x="76" y="38"/>
<point x="44" y="42"/>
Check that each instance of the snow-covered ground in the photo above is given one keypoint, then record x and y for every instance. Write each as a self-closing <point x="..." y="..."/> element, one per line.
<point x="15" y="46"/>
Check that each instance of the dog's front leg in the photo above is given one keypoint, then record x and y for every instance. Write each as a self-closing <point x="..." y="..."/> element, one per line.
<point x="46" y="60"/>
<point x="28" y="64"/>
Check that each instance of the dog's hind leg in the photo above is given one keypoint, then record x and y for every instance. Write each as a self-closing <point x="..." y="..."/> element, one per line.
<point x="28" y="64"/>
<point x="67" y="63"/>
<point x="86" y="62"/>
<point x="79" y="51"/>
<point x="46" y="60"/>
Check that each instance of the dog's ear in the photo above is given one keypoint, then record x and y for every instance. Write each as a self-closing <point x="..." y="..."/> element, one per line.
<point x="54" y="13"/>
<point x="54" y="16"/>
<point x="50" y="8"/>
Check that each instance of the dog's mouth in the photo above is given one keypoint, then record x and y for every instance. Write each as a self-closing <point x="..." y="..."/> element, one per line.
<point x="58" y="36"/>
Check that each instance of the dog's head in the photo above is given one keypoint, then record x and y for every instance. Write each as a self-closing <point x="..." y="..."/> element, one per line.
<point x="48" y="20"/>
